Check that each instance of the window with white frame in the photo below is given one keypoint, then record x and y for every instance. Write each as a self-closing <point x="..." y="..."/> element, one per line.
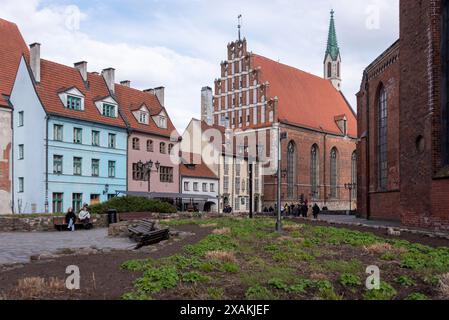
<point x="21" y="121"/>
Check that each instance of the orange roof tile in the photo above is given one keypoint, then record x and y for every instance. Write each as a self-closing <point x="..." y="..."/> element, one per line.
<point x="305" y="99"/>
<point x="57" y="77"/>
<point x="130" y="100"/>
<point x="12" y="46"/>
<point x="196" y="171"/>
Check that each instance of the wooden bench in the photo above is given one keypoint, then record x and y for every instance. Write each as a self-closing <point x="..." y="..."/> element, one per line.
<point x="144" y="233"/>
<point x="61" y="225"/>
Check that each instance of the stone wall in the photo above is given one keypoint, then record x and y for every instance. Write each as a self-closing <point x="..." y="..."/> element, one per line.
<point x="39" y="224"/>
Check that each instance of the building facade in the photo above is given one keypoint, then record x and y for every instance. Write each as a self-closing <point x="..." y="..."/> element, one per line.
<point x="70" y="143"/>
<point x="255" y="94"/>
<point x="12" y="47"/>
<point x="152" y="137"/>
<point x="201" y="184"/>
<point x="411" y="160"/>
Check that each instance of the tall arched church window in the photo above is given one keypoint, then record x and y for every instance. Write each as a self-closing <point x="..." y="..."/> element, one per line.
<point x="334" y="173"/>
<point x="329" y="70"/>
<point x="382" y="145"/>
<point x="291" y="152"/>
<point x="314" y="175"/>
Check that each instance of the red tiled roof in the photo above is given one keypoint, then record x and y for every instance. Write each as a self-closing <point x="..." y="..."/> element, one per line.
<point x="130" y="100"/>
<point x="196" y="171"/>
<point x="12" y="46"/>
<point x="305" y="99"/>
<point x="56" y="78"/>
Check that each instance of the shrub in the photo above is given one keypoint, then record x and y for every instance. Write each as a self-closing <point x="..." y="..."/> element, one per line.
<point x="133" y="204"/>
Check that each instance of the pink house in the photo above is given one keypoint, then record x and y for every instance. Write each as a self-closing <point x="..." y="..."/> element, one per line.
<point x="149" y="140"/>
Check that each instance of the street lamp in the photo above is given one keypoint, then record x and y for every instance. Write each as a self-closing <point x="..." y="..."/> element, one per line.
<point x="350" y="187"/>
<point x="145" y="170"/>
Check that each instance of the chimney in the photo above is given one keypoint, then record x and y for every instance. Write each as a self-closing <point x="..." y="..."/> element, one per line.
<point x="159" y="93"/>
<point x="82" y="68"/>
<point x="35" y="60"/>
<point x="109" y="78"/>
<point x="207" y="105"/>
<point x="126" y="83"/>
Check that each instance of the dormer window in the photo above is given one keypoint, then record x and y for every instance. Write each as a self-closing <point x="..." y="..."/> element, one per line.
<point x="109" y="110"/>
<point x="74" y="103"/>
<point x="162" y="122"/>
<point x="143" y="117"/>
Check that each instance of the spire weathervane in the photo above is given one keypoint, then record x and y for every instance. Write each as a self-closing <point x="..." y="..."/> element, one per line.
<point x="240" y="26"/>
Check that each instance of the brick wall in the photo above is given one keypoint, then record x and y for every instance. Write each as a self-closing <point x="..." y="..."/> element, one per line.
<point x="304" y="140"/>
<point x="383" y="73"/>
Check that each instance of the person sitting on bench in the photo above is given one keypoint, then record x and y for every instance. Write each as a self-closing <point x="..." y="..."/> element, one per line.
<point x="84" y="216"/>
<point x="70" y="219"/>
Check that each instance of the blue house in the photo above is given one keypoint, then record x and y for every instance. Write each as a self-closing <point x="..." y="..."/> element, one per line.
<point x="69" y="140"/>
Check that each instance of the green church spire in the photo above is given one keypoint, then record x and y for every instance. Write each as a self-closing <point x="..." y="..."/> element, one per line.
<point x="332" y="44"/>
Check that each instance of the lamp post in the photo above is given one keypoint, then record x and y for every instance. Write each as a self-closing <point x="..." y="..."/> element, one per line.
<point x="146" y="169"/>
<point x="350" y="187"/>
<point x="280" y="137"/>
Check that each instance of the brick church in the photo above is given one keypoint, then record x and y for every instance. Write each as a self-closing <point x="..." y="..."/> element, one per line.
<point x="403" y="123"/>
<point x="257" y="94"/>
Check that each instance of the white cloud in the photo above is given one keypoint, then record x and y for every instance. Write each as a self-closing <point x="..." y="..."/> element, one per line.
<point x="180" y="43"/>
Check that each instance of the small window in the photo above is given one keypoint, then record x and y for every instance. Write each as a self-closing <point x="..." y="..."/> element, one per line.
<point x="111" y="169"/>
<point x="58" y="202"/>
<point x="170" y="148"/>
<point x="77" y="166"/>
<point x="112" y="141"/>
<point x="57" y="164"/>
<point x="58" y="132"/>
<point x="186" y="186"/>
<point x="143" y="117"/>
<point x="162" y="122"/>
<point x="166" y="174"/>
<point x="204" y="187"/>
<point x="162" y="148"/>
<point x="77" y="200"/>
<point x="95" y="167"/>
<point x="212" y="187"/>
<point x="74" y="103"/>
<point x="136" y="144"/>
<point x="21" y="185"/>
<point x="77" y="135"/>
<point x="195" y="187"/>
<point x="21" y="121"/>
<point x="21" y="151"/>
<point x="150" y="146"/>
<point x="109" y="110"/>
<point x="96" y="138"/>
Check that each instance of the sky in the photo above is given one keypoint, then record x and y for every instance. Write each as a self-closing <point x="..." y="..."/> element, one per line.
<point x="179" y="44"/>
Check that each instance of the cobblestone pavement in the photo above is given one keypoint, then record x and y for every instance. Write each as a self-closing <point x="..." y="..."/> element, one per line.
<point x="19" y="247"/>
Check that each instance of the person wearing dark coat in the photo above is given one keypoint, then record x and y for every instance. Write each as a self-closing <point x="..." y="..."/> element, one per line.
<point x="316" y="211"/>
<point x="304" y="210"/>
<point x="70" y="219"/>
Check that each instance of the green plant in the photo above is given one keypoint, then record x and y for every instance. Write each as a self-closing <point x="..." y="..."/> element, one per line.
<point x="194" y="277"/>
<point x="417" y="296"/>
<point x="156" y="279"/>
<point x="215" y="293"/>
<point x="230" y="267"/>
<point x="329" y="294"/>
<point x="388" y="256"/>
<point x="133" y="204"/>
<point x="350" y="280"/>
<point x="278" y="284"/>
<point x="342" y="266"/>
<point x="136" y="265"/>
<point x="385" y="292"/>
<point x="405" y="281"/>
<point x="301" y="286"/>
<point x="259" y="293"/>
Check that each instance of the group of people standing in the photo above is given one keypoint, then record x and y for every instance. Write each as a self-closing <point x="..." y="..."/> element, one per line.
<point x="301" y="209"/>
<point x="83" y="217"/>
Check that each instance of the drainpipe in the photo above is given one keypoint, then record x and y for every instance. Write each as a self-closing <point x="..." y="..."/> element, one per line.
<point x="11" y="156"/>
<point x="46" y="164"/>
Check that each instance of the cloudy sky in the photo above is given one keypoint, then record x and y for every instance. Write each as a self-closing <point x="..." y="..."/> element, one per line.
<point x="179" y="43"/>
